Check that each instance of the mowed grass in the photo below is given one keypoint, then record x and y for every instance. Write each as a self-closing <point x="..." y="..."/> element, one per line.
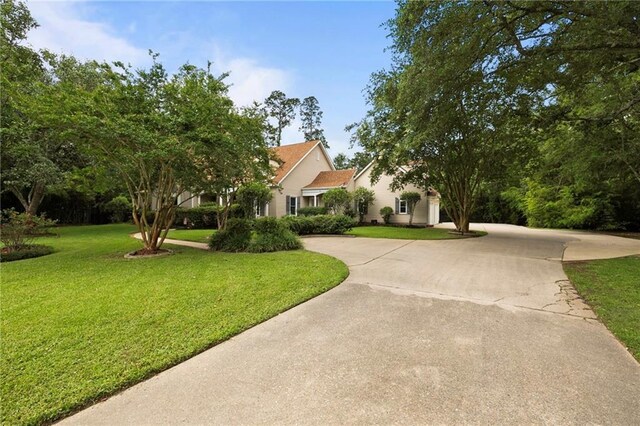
<point x="402" y="233"/>
<point x="195" y="235"/>
<point x="612" y="288"/>
<point x="84" y="322"/>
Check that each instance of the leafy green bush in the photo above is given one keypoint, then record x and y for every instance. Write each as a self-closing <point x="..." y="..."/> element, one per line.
<point x="119" y="209"/>
<point x="19" y="229"/>
<point x="234" y="238"/>
<point x="321" y="224"/>
<point x="273" y="235"/>
<point x="201" y="217"/>
<point x="386" y="213"/>
<point x="25" y="252"/>
<point x="311" y="211"/>
<point x="336" y="200"/>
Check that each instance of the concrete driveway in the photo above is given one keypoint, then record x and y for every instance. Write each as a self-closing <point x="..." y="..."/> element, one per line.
<point x="481" y="331"/>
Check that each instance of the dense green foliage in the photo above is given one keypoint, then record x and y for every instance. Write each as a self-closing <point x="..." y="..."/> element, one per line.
<point x="311" y="120"/>
<point x="18" y="230"/>
<point x="337" y="200"/>
<point x="363" y="198"/>
<point x="320" y="224"/>
<point x="311" y="211"/>
<point x="610" y="286"/>
<point x="281" y="111"/>
<point x="273" y="235"/>
<point x="119" y="209"/>
<point x="83" y="322"/>
<point x="201" y="217"/>
<point x="252" y="195"/>
<point x="236" y="236"/>
<point x="412" y="198"/>
<point x="528" y="107"/>
<point x="386" y="213"/>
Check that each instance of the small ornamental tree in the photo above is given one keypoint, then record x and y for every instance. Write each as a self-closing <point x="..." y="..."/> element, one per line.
<point x="336" y="200"/>
<point x="251" y="196"/>
<point x="386" y="213"/>
<point x="412" y="198"/>
<point x="363" y="198"/>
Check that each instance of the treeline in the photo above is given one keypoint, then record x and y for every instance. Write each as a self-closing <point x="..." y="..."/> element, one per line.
<point x="77" y="136"/>
<point x="523" y="112"/>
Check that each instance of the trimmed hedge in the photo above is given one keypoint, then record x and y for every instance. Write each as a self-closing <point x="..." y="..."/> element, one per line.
<point x="273" y="235"/>
<point x="311" y="211"/>
<point x="321" y="224"/>
<point x="27" y="252"/>
<point x="236" y="237"/>
<point x="201" y="217"/>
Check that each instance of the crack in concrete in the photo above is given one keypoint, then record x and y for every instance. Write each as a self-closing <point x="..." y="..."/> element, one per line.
<point x="382" y="255"/>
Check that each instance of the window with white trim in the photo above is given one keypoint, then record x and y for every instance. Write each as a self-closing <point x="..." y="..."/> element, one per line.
<point x="293" y="206"/>
<point x="402" y="207"/>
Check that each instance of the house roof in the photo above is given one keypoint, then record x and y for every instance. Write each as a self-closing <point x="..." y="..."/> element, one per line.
<point x="290" y="156"/>
<point x="332" y="179"/>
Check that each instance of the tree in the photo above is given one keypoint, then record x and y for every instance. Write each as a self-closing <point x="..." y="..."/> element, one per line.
<point x="341" y="161"/>
<point x="36" y="153"/>
<point x="363" y="198"/>
<point x="253" y="195"/>
<point x="453" y="132"/>
<point x="281" y="109"/>
<point x="412" y="198"/>
<point x="336" y="199"/>
<point x="311" y="117"/>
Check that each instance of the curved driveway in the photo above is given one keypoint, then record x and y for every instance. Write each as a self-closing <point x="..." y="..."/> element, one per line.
<point x="484" y="330"/>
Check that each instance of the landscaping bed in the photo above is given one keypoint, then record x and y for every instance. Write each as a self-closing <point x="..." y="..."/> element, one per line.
<point x="83" y="322"/>
<point x="612" y="288"/>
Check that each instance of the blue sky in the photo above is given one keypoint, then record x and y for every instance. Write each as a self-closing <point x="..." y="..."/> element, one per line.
<point x="324" y="49"/>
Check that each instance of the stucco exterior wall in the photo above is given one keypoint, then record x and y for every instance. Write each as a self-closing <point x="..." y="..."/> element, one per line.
<point x="386" y="197"/>
<point x="301" y="176"/>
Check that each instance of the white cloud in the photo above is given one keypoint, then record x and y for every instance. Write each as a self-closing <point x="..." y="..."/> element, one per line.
<point x="250" y="81"/>
<point x="64" y="29"/>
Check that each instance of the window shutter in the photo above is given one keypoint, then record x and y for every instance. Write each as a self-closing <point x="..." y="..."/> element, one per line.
<point x="397" y="205"/>
<point x="297" y="204"/>
<point x="288" y="205"/>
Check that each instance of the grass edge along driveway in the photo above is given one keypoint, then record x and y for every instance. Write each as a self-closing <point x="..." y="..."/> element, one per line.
<point x="612" y="288"/>
<point x="84" y="323"/>
<point x="405" y="233"/>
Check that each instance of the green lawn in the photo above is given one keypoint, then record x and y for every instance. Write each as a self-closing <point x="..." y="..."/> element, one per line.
<point x="196" y="235"/>
<point x="612" y="288"/>
<point x="84" y="322"/>
<point x="406" y="233"/>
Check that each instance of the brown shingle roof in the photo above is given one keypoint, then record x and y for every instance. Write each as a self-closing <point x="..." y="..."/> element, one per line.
<point x="332" y="179"/>
<point x="289" y="155"/>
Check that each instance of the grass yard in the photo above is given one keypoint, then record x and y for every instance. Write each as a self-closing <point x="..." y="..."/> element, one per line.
<point x="612" y="288"/>
<point x="195" y="235"/>
<point x="84" y="322"/>
<point x="401" y="233"/>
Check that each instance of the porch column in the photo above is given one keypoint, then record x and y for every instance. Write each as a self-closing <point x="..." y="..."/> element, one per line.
<point x="315" y="201"/>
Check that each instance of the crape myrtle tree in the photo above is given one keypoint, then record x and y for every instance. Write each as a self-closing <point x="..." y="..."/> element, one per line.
<point x="252" y="195"/>
<point x="363" y="198"/>
<point x="38" y="155"/>
<point x="450" y="127"/>
<point x="282" y="110"/>
<point x="165" y="135"/>
<point x="337" y="200"/>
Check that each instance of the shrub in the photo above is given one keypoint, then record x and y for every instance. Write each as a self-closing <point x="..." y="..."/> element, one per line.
<point x="312" y="211"/>
<point x="18" y="229"/>
<point x="201" y="217"/>
<point x="25" y="252"/>
<point x="363" y="198"/>
<point x="119" y="209"/>
<point x="234" y="238"/>
<point x="386" y="213"/>
<point x="321" y="224"/>
<point x="273" y="235"/>
<point x="336" y="200"/>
